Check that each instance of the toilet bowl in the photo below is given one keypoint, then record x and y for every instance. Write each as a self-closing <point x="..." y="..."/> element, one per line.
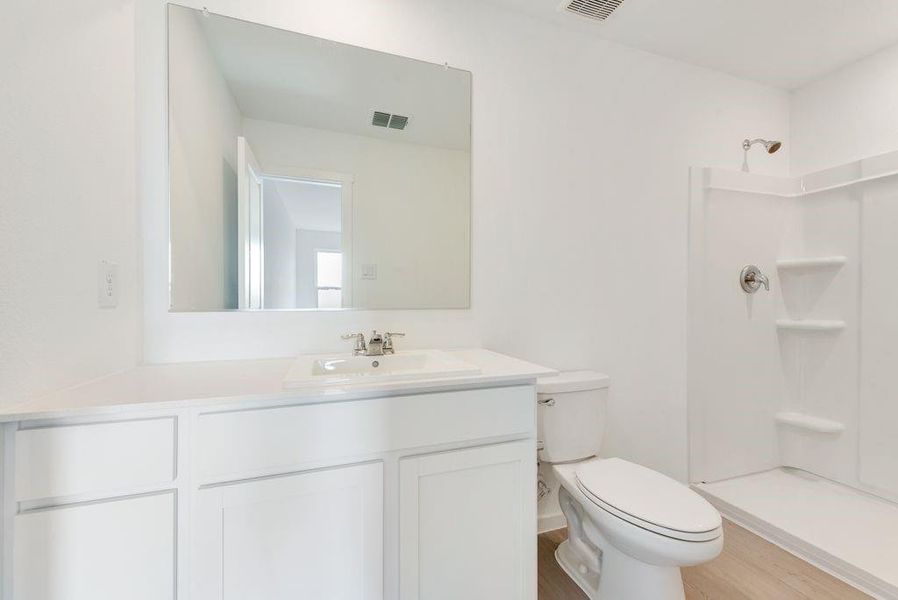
<point x="630" y="528"/>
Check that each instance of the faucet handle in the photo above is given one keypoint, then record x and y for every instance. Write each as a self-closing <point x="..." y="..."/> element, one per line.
<point x="359" y="341"/>
<point x="388" y="340"/>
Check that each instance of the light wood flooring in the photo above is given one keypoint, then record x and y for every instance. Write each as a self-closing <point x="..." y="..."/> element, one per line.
<point x="749" y="568"/>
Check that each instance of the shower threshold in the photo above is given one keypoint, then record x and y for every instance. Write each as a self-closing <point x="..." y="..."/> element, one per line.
<point x="844" y="531"/>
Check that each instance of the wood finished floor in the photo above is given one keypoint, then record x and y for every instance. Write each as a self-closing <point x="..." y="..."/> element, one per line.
<point x="749" y="568"/>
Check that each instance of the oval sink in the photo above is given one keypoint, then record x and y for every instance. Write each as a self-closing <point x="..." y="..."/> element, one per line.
<point x="315" y="371"/>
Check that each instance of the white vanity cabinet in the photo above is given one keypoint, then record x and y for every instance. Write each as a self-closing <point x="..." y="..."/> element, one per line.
<point x="317" y="534"/>
<point x="110" y="550"/>
<point x="90" y="511"/>
<point x="466" y="524"/>
<point x="409" y="496"/>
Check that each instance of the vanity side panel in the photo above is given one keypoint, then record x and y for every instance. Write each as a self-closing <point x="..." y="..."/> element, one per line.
<point x="241" y="444"/>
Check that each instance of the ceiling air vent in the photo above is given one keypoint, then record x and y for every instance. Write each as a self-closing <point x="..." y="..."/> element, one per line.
<point x="398" y="122"/>
<point x="598" y="10"/>
<point x="381" y="119"/>
<point x="384" y="119"/>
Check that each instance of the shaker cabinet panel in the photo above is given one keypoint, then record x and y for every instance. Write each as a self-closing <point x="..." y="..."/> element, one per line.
<point x="468" y="524"/>
<point x="310" y="535"/>
<point x="103" y="551"/>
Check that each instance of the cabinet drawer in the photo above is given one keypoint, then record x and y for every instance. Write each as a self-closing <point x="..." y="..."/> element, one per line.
<point x="242" y="444"/>
<point x="96" y="459"/>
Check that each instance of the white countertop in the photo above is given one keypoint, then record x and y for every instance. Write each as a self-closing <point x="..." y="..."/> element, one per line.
<point x="245" y="382"/>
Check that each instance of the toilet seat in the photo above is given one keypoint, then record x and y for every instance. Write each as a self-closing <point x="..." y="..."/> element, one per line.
<point x="648" y="499"/>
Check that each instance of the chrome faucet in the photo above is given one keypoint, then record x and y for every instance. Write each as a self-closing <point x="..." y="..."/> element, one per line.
<point x="378" y="344"/>
<point x="388" y="341"/>
<point x="360" y="347"/>
<point x="375" y="344"/>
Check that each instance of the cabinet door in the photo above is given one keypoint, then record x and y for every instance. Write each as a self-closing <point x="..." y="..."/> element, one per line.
<point x="311" y="535"/>
<point x="103" y="551"/>
<point x="467" y="523"/>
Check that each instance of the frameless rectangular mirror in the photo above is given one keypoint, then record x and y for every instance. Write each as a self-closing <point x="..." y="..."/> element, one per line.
<point x="309" y="174"/>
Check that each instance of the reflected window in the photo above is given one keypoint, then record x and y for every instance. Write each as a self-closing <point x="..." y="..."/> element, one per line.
<point x="329" y="278"/>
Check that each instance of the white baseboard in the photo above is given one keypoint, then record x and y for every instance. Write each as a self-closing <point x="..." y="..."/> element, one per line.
<point x="550" y="522"/>
<point x="850" y="574"/>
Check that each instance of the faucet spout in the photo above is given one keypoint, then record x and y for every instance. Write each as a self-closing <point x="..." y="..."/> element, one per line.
<point x="375" y="344"/>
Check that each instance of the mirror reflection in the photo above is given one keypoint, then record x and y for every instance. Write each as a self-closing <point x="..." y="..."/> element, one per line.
<point x="308" y="174"/>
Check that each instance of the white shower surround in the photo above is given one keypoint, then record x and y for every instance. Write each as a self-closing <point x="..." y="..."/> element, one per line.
<point x="803" y="376"/>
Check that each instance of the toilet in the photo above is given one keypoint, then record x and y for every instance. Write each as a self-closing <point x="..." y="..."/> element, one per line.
<point x="630" y="528"/>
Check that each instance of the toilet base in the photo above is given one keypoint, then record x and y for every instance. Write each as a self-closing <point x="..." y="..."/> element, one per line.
<point x="583" y="576"/>
<point x="624" y="578"/>
<point x="603" y="571"/>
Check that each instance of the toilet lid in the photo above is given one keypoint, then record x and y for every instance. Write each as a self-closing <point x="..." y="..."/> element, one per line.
<point x="648" y="499"/>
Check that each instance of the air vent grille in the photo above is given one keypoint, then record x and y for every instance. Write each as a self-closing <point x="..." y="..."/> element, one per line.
<point x="385" y="119"/>
<point x="398" y="122"/>
<point x="592" y="9"/>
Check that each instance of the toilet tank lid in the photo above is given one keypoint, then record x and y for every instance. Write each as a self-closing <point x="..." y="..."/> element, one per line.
<point x="572" y="381"/>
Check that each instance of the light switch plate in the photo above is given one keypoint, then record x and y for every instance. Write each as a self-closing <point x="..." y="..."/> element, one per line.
<point x="369" y="271"/>
<point x="107" y="284"/>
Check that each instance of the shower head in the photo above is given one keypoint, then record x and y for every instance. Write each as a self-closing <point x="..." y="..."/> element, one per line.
<point x="770" y="146"/>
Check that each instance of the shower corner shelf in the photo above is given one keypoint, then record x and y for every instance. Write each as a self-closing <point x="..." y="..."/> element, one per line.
<point x="813" y="263"/>
<point x="810" y="325"/>
<point x="809" y="423"/>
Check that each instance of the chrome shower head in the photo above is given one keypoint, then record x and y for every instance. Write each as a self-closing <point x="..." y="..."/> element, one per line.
<point x="770" y="146"/>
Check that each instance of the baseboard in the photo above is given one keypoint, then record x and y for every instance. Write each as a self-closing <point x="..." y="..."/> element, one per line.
<point x="550" y="522"/>
<point x="850" y="574"/>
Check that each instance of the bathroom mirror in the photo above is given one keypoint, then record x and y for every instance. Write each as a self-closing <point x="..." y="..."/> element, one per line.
<point x="309" y="174"/>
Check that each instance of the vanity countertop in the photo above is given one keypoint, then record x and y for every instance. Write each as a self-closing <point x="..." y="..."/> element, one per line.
<point x="226" y="384"/>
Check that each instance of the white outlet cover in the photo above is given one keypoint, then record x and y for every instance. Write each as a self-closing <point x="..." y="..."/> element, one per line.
<point x="107" y="284"/>
<point x="369" y="271"/>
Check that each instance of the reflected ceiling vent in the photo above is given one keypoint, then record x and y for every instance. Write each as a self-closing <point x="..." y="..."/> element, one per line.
<point x="383" y="119"/>
<point x="598" y="10"/>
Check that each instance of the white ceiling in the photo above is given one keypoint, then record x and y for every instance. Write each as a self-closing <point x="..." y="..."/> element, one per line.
<point x="783" y="43"/>
<point x="311" y="206"/>
<point x="287" y="77"/>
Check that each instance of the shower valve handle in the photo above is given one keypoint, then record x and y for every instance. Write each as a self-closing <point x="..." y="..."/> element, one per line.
<point x="751" y="279"/>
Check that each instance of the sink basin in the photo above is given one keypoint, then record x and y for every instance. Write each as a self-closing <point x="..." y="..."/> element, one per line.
<point x="315" y="371"/>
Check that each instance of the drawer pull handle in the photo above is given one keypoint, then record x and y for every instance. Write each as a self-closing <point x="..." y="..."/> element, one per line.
<point x="546" y="402"/>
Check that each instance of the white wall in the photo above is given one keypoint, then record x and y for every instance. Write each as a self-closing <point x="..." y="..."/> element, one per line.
<point x="877" y="409"/>
<point x="846" y="116"/>
<point x="580" y="220"/>
<point x="204" y="126"/>
<point x="735" y="370"/>
<point x="279" y="250"/>
<point x="410" y="210"/>
<point x="67" y="196"/>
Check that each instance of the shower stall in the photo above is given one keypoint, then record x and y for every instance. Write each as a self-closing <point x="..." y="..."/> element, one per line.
<point x="793" y="391"/>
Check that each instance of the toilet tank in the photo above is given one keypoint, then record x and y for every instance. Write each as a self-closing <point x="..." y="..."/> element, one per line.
<point x="571" y="415"/>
